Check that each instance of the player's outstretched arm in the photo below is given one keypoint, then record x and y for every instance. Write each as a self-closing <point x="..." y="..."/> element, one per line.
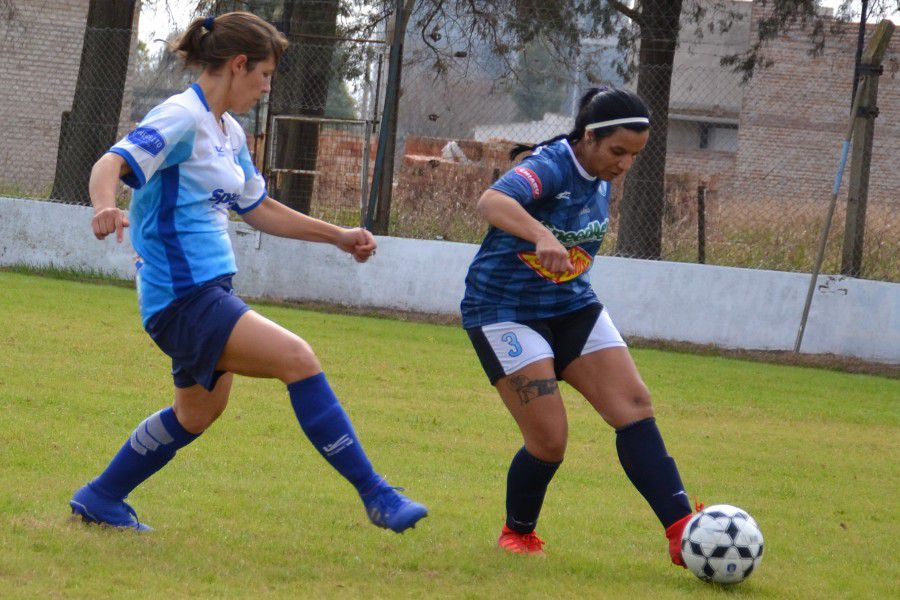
<point x="503" y="212"/>
<point x="108" y="218"/>
<point x="275" y="218"/>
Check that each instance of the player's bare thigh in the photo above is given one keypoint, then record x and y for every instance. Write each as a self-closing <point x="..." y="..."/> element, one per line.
<point x="610" y="381"/>
<point x="258" y="347"/>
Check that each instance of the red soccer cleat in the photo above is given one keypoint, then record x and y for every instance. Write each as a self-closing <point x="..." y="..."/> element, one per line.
<point x="674" y="533"/>
<point x="520" y="543"/>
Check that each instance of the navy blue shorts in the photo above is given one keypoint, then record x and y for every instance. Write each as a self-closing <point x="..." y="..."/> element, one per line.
<point x="506" y="347"/>
<point x="193" y="331"/>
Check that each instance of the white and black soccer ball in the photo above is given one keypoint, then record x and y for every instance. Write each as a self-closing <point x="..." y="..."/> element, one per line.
<point x="722" y="543"/>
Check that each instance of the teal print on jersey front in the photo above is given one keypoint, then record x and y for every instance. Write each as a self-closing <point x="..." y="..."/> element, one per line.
<point x="594" y="232"/>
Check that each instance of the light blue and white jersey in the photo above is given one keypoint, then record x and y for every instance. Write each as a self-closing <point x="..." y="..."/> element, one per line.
<point x="187" y="172"/>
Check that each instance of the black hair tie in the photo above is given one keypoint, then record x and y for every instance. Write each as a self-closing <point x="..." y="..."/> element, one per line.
<point x="208" y="23"/>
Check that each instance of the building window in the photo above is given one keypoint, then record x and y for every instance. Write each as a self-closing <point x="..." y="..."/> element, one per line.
<point x="704" y="135"/>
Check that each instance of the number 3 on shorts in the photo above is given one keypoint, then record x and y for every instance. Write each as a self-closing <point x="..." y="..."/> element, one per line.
<point x="510" y="338"/>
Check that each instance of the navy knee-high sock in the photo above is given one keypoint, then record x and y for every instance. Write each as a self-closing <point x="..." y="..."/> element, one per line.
<point x="329" y="429"/>
<point x="151" y="445"/>
<point x="526" y="485"/>
<point x="652" y="471"/>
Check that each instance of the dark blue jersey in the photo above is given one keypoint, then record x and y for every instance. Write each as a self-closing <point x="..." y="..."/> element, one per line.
<point x="506" y="282"/>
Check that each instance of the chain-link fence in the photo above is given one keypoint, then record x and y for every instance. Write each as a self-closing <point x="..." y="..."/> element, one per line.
<point x="748" y="166"/>
<point x="340" y="159"/>
<point x="320" y="134"/>
<point x="88" y="83"/>
<point x="50" y="141"/>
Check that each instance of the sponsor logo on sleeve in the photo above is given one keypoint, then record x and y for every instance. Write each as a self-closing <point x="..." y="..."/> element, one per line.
<point x="148" y="139"/>
<point x="532" y="179"/>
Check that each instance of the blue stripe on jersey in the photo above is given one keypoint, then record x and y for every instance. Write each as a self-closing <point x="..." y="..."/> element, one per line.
<point x="180" y="152"/>
<point x="182" y="281"/>
<point x="185" y="181"/>
<point x="244" y="211"/>
<point x="199" y="91"/>
<point x="136" y="178"/>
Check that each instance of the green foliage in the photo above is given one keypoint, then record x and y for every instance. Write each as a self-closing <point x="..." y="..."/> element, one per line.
<point x="18" y="190"/>
<point x="340" y="104"/>
<point x="541" y="87"/>
<point x="67" y="274"/>
<point x="251" y="510"/>
<point x="507" y="26"/>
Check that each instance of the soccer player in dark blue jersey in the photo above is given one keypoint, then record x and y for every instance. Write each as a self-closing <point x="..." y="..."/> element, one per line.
<point x="534" y="319"/>
<point x="189" y="164"/>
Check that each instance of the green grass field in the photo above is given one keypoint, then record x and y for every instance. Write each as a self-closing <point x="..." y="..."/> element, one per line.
<point x="251" y="510"/>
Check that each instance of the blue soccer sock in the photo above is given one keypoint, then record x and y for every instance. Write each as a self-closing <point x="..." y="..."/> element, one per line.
<point x="151" y="445"/>
<point x="526" y="486"/>
<point x="329" y="429"/>
<point x="652" y="471"/>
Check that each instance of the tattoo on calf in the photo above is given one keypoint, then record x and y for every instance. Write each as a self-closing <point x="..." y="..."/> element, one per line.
<point x="532" y="389"/>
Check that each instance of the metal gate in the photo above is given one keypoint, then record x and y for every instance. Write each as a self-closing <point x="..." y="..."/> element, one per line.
<point x="342" y="172"/>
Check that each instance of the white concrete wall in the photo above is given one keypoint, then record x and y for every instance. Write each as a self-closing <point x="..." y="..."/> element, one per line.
<point x="728" y="307"/>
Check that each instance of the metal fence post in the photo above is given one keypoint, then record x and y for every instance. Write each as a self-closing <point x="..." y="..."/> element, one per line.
<point x="879" y="40"/>
<point x="863" y="133"/>
<point x="379" y="211"/>
<point x="701" y="223"/>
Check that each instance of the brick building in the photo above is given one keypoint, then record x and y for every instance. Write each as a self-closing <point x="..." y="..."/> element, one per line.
<point x="776" y="137"/>
<point x="795" y="114"/>
<point x="40" y="43"/>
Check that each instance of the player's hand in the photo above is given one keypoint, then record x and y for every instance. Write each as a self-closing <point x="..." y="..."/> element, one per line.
<point x="553" y="256"/>
<point x="358" y="242"/>
<point x="109" y="220"/>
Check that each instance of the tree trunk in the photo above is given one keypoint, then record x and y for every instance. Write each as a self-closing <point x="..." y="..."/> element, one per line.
<point x="90" y="128"/>
<point x="640" y="216"/>
<point x="301" y="88"/>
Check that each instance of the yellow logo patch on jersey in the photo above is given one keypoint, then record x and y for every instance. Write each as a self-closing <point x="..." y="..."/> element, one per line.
<point x="580" y="259"/>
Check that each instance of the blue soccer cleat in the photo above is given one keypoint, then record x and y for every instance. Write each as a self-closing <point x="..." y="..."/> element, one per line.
<point x="389" y="509"/>
<point x="95" y="507"/>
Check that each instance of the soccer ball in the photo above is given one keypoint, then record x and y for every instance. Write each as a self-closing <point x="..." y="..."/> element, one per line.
<point x="722" y="543"/>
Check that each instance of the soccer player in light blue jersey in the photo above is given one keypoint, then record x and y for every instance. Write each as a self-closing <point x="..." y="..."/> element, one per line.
<point x="189" y="165"/>
<point x="533" y="317"/>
